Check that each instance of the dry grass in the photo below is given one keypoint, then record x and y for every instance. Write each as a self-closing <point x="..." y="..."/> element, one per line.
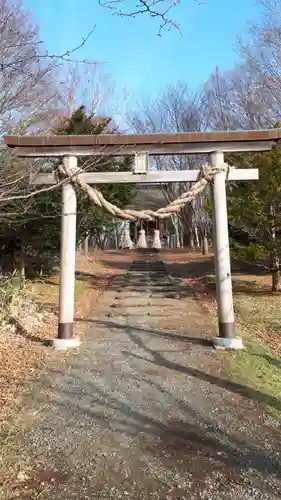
<point x="23" y="349"/>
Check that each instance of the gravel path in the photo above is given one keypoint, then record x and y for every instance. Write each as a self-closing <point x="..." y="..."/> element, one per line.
<point x="142" y="411"/>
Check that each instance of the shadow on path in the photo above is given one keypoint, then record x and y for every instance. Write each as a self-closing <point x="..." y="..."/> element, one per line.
<point x="158" y="359"/>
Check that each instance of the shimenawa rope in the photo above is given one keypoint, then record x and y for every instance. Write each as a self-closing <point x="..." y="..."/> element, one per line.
<point x="206" y="176"/>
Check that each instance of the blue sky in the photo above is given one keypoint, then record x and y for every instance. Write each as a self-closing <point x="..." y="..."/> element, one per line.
<point x="130" y="48"/>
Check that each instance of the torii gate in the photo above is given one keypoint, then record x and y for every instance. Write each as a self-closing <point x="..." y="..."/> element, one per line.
<point x="215" y="144"/>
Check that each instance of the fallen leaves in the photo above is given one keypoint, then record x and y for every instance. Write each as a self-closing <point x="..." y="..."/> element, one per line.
<point x="22" y="349"/>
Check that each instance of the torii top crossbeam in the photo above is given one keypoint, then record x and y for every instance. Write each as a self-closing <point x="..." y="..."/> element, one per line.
<point x="153" y="144"/>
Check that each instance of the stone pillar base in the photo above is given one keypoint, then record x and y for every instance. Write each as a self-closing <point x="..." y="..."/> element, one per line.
<point x="64" y="344"/>
<point x="224" y="343"/>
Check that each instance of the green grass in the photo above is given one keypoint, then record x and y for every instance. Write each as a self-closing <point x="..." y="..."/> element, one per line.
<point x="47" y="291"/>
<point x="258" y="322"/>
<point x="257" y="368"/>
<point x="258" y="318"/>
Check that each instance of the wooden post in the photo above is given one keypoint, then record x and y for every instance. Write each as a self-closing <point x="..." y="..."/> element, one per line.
<point x="116" y="236"/>
<point x="205" y="246"/>
<point x="86" y="245"/>
<point x="65" y="337"/>
<point x="135" y="232"/>
<point x="226" y="338"/>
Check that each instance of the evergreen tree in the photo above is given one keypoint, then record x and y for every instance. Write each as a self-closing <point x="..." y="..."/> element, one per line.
<point x="93" y="219"/>
<point x="36" y="233"/>
<point x="254" y="210"/>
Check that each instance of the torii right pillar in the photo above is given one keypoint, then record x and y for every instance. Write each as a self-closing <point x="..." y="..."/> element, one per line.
<point x="226" y="333"/>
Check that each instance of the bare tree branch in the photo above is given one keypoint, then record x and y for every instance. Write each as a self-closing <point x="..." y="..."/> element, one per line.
<point x="24" y="46"/>
<point x="239" y="99"/>
<point x="160" y="9"/>
<point x="177" y="109"/>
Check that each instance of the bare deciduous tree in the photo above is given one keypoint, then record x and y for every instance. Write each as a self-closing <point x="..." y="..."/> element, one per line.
<point x="263" y="52"/>
<point x="27" y="94"/>
<point x="249" y="95"/>
<point x="176" y="110"/>
<point x="86" y="82"/>
<point x="28" y="97"/>
<point x="238" y="99"/>
<point x="32" y="97"/>
<point x="12" y="11"/>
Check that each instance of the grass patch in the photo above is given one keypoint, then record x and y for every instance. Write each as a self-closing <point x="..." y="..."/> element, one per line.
<point x="259" y="368"/>
<point x="258" y="318"/>
<point x="258" y="322"/>
<point x="46" y="291"/>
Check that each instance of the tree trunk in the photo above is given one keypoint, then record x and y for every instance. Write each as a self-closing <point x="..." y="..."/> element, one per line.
<point x="80" y="248"/>
<point x="188" y="240"/>
<point x="178" y="243"/>
<point x="18" y="260"/>
<point x="136" y="232"/>
<point x="205" y="246"/>
<point x="19" y="266"/>
<point x="275" y="273"/>
<point x="116" y="238"/>
<point x="22" y="270"/>
<point x="176" y="227"/>
<point x="191" y="241"/>
<point x="181" y="236"/>
<point x="190" y="228"/>
<point x="86" y="246"/>
<point x="275" y="261"/>
<point x="196" y="237"/>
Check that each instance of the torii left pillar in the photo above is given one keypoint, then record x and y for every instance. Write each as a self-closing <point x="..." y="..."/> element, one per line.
<point x="66" y="338"/>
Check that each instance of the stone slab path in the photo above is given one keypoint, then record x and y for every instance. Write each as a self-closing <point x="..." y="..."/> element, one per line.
<point x="142" y="410"/>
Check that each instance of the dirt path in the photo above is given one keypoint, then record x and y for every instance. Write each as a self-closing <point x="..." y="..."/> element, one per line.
<point x="141" y="411"/>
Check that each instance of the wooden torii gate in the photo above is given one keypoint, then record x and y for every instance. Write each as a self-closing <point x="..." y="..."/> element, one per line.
<point x="214" y="144"/>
